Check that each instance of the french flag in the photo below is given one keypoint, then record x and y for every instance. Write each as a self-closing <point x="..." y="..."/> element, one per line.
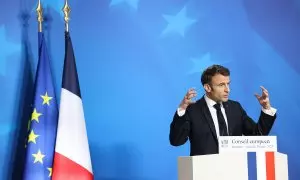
<point x="72" y="156"/>
<point x="266" y="166"/>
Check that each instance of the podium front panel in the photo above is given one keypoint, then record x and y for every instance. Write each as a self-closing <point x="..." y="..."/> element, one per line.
<point x="234" y="166"/>
<point x="227" y="166"/>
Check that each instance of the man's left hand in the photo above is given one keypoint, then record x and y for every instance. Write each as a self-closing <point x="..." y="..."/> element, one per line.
<point x="264" y="98"/>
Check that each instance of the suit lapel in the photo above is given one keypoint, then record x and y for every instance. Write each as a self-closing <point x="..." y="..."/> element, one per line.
<point x="208" y="117"/>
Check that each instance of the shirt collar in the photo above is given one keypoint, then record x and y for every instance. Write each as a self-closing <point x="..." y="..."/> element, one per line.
<point x="210" y="102"/>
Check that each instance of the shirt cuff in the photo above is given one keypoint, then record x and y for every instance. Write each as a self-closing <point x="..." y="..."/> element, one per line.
<point x="270" y="112"/>
<point x="180" y="112"/>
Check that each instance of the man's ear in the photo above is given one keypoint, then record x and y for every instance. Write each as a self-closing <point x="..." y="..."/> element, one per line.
<point x="207" y="87"/>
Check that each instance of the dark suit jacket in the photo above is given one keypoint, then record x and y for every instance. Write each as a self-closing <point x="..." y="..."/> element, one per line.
<point x="197" y="125"/>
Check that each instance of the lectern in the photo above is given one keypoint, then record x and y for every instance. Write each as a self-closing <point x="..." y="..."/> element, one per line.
<point x="240" y="158"/>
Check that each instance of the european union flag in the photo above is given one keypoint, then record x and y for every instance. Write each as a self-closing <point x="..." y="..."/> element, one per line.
<point x="42" y="126"/>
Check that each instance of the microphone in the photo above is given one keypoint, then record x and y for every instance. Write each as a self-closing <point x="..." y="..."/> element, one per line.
<point x="222" y="133"/>
<point x="227" y="128"/>
<point x="259" y="129"/>
<point x="226" y="107"/>
<point x="225" y="104"/>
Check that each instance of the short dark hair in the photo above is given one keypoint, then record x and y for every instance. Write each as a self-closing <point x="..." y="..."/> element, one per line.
<point x="212" y="71"/>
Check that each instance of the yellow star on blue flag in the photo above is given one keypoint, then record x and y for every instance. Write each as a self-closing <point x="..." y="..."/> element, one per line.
<point x="40" y="144"/>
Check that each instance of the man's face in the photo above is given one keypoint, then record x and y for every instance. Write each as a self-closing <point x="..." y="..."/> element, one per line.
<point x="218" y="90"/>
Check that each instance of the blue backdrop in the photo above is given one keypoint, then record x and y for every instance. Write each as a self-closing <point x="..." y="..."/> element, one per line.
<point x="136" y="59"/>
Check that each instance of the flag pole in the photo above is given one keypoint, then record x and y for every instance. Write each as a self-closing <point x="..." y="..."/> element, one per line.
<point x="66" y="9"/>
<point x="39" y="11"/>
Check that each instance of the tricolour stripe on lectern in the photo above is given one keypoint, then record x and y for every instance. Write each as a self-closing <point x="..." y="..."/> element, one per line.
<point x="252" y="175"/>
<point x="261" y="166"/>
<point x="270" y="165"/>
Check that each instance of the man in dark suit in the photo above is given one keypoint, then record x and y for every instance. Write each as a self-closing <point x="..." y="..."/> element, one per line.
<point x="214" y="115"/>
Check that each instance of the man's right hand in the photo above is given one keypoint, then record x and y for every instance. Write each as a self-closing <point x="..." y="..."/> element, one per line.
<point x="187" y="100"/>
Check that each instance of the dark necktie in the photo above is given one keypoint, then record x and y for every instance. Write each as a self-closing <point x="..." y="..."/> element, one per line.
<point x="221" y="120"/>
